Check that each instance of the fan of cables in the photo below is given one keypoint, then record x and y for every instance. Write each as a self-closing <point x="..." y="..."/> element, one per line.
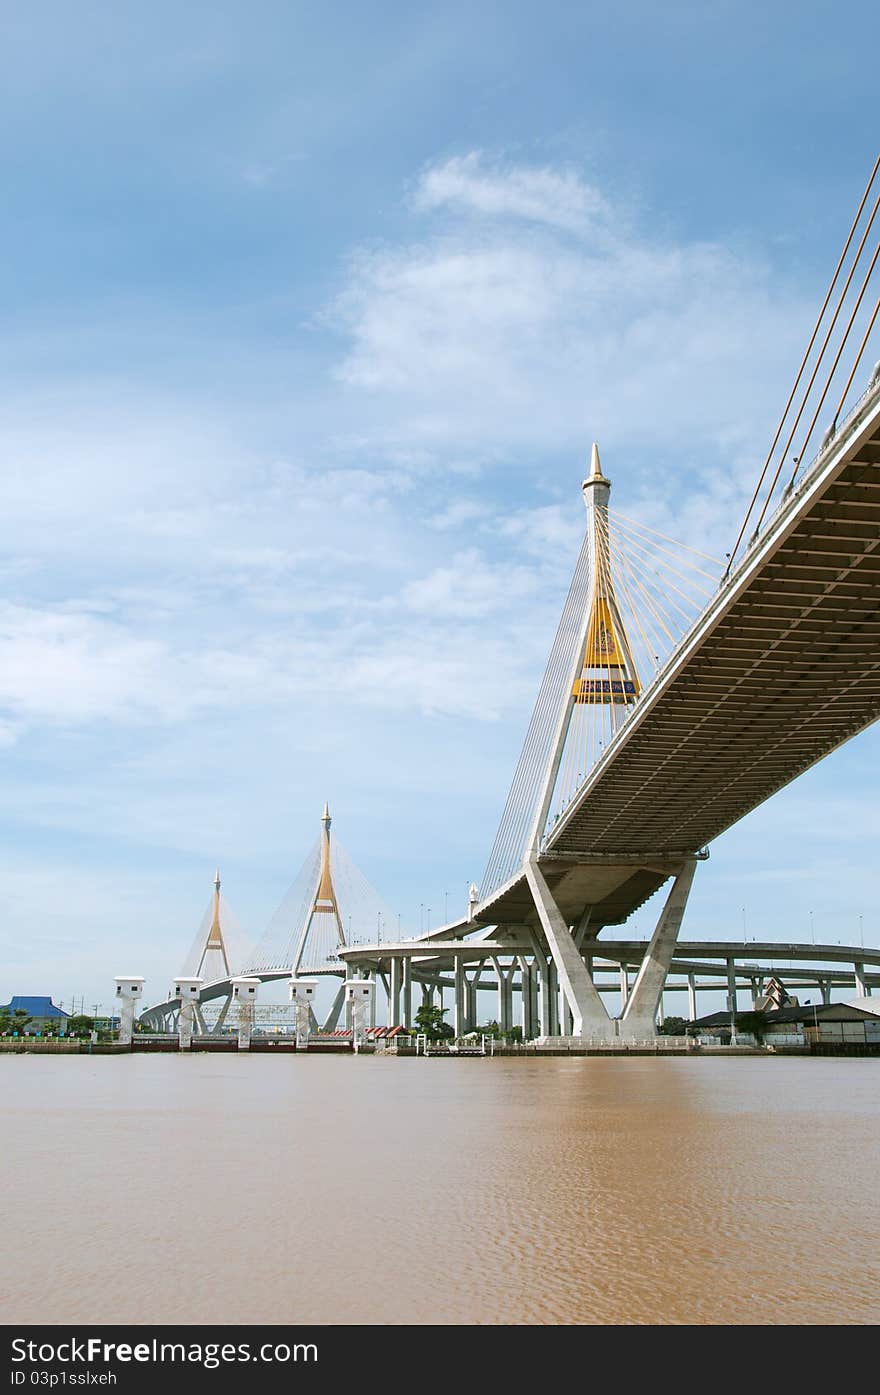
<point x="826" y="379"/>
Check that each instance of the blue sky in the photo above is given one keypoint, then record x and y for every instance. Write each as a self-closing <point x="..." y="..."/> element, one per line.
<point x="311" y="313"/>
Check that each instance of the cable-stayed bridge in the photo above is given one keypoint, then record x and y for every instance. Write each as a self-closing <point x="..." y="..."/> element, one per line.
<point x="679" y="695"/>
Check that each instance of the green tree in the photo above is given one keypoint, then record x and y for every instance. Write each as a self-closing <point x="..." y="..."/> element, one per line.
<point x="754" y="1022"/>
<point x="13" y="1021"/>
<point x="429" y="1021"/>
<point x="674" y="1027"/>
<point x="80" y="1026"/>
<point x="494" y="1029"/>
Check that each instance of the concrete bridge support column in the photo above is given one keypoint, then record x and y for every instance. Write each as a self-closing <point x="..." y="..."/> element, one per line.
<point x="224" y="1013"/>
<point x="502" y="1010"/>
<point x="534" y="1015"/>
<point x="394" y="994"/>
<point x="731" y="985"/>
<point x="459" y="1025"/>
<point x="472" y="1012"/>
<point x="129" y="992"/>
<point x="553" y="996"/>
<point x="566" y="1024"/>
<point x="427" y="995"/>
<point x="692" y="997"/>
<point x="543" y="975"/>
<point x="588" y="1011"/>
<point x="825" y="990"/>
<point x="639" y="1018"/>
<point x="407" y="992"/>
<point x="526" y="1020"/>
<point x="331" y="1021"/>
<point x="624" y="988"/>
<point x="861" y="985"/>
<point x="505" y="1021"/>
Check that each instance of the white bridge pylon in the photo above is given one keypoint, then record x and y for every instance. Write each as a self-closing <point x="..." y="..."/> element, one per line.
<point x="591" y="686"/>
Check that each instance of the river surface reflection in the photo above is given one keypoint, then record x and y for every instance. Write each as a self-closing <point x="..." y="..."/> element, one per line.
<point x="257" y="1189"/>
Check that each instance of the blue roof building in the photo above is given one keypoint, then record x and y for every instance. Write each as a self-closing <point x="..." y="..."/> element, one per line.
<point x="38" y="1010"/>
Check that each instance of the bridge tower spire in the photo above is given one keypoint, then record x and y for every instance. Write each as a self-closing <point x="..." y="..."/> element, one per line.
<point x="214" y="943"/>
<point x="604" y="673"/>
<point x="608" y="673"/>
<point x="324" y="902"/>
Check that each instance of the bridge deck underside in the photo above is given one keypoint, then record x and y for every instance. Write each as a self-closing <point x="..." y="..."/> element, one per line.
<point x="612" y="893"/>
<point x="789" y="672"/>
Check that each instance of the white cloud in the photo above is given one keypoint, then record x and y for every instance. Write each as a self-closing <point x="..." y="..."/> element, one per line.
<point x="467" y="183"/>
<point x="469" y="588"/>
<point x="61" y="666"/>
<point x="511" y="333"/>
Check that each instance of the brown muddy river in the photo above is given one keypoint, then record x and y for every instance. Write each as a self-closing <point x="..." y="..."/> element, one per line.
<point x="209" y="1189"/>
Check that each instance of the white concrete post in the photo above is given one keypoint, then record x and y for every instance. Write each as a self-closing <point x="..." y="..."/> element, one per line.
<point x="129" y="991"/>
<point x="505" y="995"/>
<point x="472" y="1015"/>
<point x="394" y="994"/>
<point x="544" y="988"/>
<point x="302" y="994"/>
<point x="407" y="992"/>
<point x="359" y="994"/>
<point x="524" y="1022"/>
<point x="731" y="986"/>
<point x="566" y="1024"/>
<point x="825" y="990"/>
<point x="624" y="987"/>
<point x="244" y="992"/>
<point x="692" y="997"/>
<point x="460" y="998"/>
<point x="186" y="991"/>
<point x="533" y="998"/>
<point x="861" y="985"/>
<point x="553" y="998"/>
